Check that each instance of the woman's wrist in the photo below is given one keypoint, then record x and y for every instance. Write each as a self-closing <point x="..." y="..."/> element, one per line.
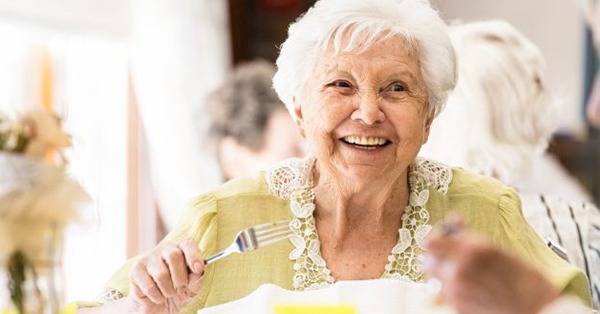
<point x="124" y="305"/>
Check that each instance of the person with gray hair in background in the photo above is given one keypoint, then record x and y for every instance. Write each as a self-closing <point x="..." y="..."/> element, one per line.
<point x="502" y="92"/>
<point x="511" y="116"/>
<point x="250" y="128"/>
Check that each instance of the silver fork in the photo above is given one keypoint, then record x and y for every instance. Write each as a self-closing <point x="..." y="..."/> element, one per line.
<point x="254" y="238"/>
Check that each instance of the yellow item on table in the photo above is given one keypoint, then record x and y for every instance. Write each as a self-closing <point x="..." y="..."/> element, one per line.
<point x="70" y="309"/>
<point x="315" y="309"/>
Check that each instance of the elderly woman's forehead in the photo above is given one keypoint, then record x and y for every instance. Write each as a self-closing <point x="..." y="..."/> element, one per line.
<point x="356" y="42"/>
<point x="391" y="50"/>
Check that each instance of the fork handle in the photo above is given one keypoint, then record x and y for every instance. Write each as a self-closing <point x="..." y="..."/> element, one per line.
<point x="216" y="257"/>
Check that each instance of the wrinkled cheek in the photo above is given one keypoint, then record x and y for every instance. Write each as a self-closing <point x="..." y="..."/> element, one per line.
<point x="323" y="121"/>
<point x="410" y="146"/>
<point x="321" y="148"/>
<point x="411" y="134"/>
<point x="320" y="138"/>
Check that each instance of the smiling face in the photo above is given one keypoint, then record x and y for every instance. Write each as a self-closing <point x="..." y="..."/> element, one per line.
<point x="365" y="115"/>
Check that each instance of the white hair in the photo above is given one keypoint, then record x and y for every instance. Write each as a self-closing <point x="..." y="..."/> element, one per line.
<point x="328" y="22"/>
<point x="500" y="116"/>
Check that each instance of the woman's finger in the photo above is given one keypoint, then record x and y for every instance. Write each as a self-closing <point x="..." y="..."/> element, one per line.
<point x="445" y="239"/>
<point x="146" y="285"/>
<point x="141" y="300"/>
<point x="175" y="260"/>
<point x="195" y="283"/>
<point x="158" y="270"/>
<point x="444" y="271"/>
<point x="193" y="257"/>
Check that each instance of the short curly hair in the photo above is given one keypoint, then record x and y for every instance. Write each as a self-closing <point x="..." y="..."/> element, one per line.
<point x="242" y="106"/>
<point x="328" y="21"/>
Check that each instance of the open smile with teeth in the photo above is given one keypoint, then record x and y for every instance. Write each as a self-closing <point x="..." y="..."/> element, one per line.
<point x="366" y="142"/>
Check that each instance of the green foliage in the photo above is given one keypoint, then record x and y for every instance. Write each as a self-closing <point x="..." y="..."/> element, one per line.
<point x="17" y="265"/>
<point x="12" y="136"/>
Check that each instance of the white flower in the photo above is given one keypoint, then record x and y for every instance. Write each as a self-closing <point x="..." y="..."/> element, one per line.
<point x="416" y="268"/>
<point x="295" y="224"/>
<point x="419" y="199"/>
<point x="37" y="200"/>
<point x="421" y="233"/>
<point x="298" y="280"/>
<point x="314" y="248"/>
<point x="314" y="253"/>
<point x="319" y="285"/>
<point x="404" y="241"/>
<point x="300" y="246"/>
<point x="307" y="232"/>
<point x="49" y="133"/>
<point x="424" y="215"/>
<point x="302" y="211"/>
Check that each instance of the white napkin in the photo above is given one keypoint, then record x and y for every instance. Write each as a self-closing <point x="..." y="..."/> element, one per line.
<point x="380" y="296"/>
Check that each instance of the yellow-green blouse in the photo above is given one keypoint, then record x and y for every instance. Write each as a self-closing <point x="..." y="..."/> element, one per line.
<point x="213" y="219"/>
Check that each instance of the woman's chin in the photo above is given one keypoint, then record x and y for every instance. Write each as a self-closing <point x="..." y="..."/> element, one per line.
<point x="367" y="156"/>
<point x="363" y="164"/>
<point x="362" y="176"/>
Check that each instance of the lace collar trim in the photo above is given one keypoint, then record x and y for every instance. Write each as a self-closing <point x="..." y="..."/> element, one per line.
<point x="292" y="180"/>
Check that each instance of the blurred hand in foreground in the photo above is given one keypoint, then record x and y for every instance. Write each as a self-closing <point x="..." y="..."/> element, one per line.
<point x="478" y="278"/>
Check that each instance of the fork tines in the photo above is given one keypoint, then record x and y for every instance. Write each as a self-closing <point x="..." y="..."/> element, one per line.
<point x="253" y="238"/>
<point x="272" y="232"/>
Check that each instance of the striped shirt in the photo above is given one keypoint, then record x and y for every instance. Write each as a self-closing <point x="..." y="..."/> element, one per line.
<point x="573" y="226"/>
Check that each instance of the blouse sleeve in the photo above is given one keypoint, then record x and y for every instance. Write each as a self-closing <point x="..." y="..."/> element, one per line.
<point x="197" y="224"/>
<point x="518" y="236"/>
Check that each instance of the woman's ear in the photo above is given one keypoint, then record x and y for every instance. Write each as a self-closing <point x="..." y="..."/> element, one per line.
<point x="299" y="119"/>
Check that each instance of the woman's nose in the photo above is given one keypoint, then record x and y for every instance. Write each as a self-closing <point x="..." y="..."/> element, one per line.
<point x="368" y="111"/>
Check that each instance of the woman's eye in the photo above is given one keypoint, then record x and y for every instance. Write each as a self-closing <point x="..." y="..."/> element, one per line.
<point x="341" y="84"/>
<point x="397" y="87"/>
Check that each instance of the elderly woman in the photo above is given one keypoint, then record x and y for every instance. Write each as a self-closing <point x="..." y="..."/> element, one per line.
<point x="249" y="125"/>
<point x="363" y="80"/>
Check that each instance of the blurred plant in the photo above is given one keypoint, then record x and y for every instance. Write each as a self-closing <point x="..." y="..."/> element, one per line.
<point x="34" y="134"/>
<point x="37" y="200"/>
<point x="13" y="138"/>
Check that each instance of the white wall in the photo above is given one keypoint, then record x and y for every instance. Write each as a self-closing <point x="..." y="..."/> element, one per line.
<point x="110" y="17"/>
<point x="555" y="26"/>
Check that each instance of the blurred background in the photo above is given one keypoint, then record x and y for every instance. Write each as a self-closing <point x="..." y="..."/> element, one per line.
<point x="130" y="80"/>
